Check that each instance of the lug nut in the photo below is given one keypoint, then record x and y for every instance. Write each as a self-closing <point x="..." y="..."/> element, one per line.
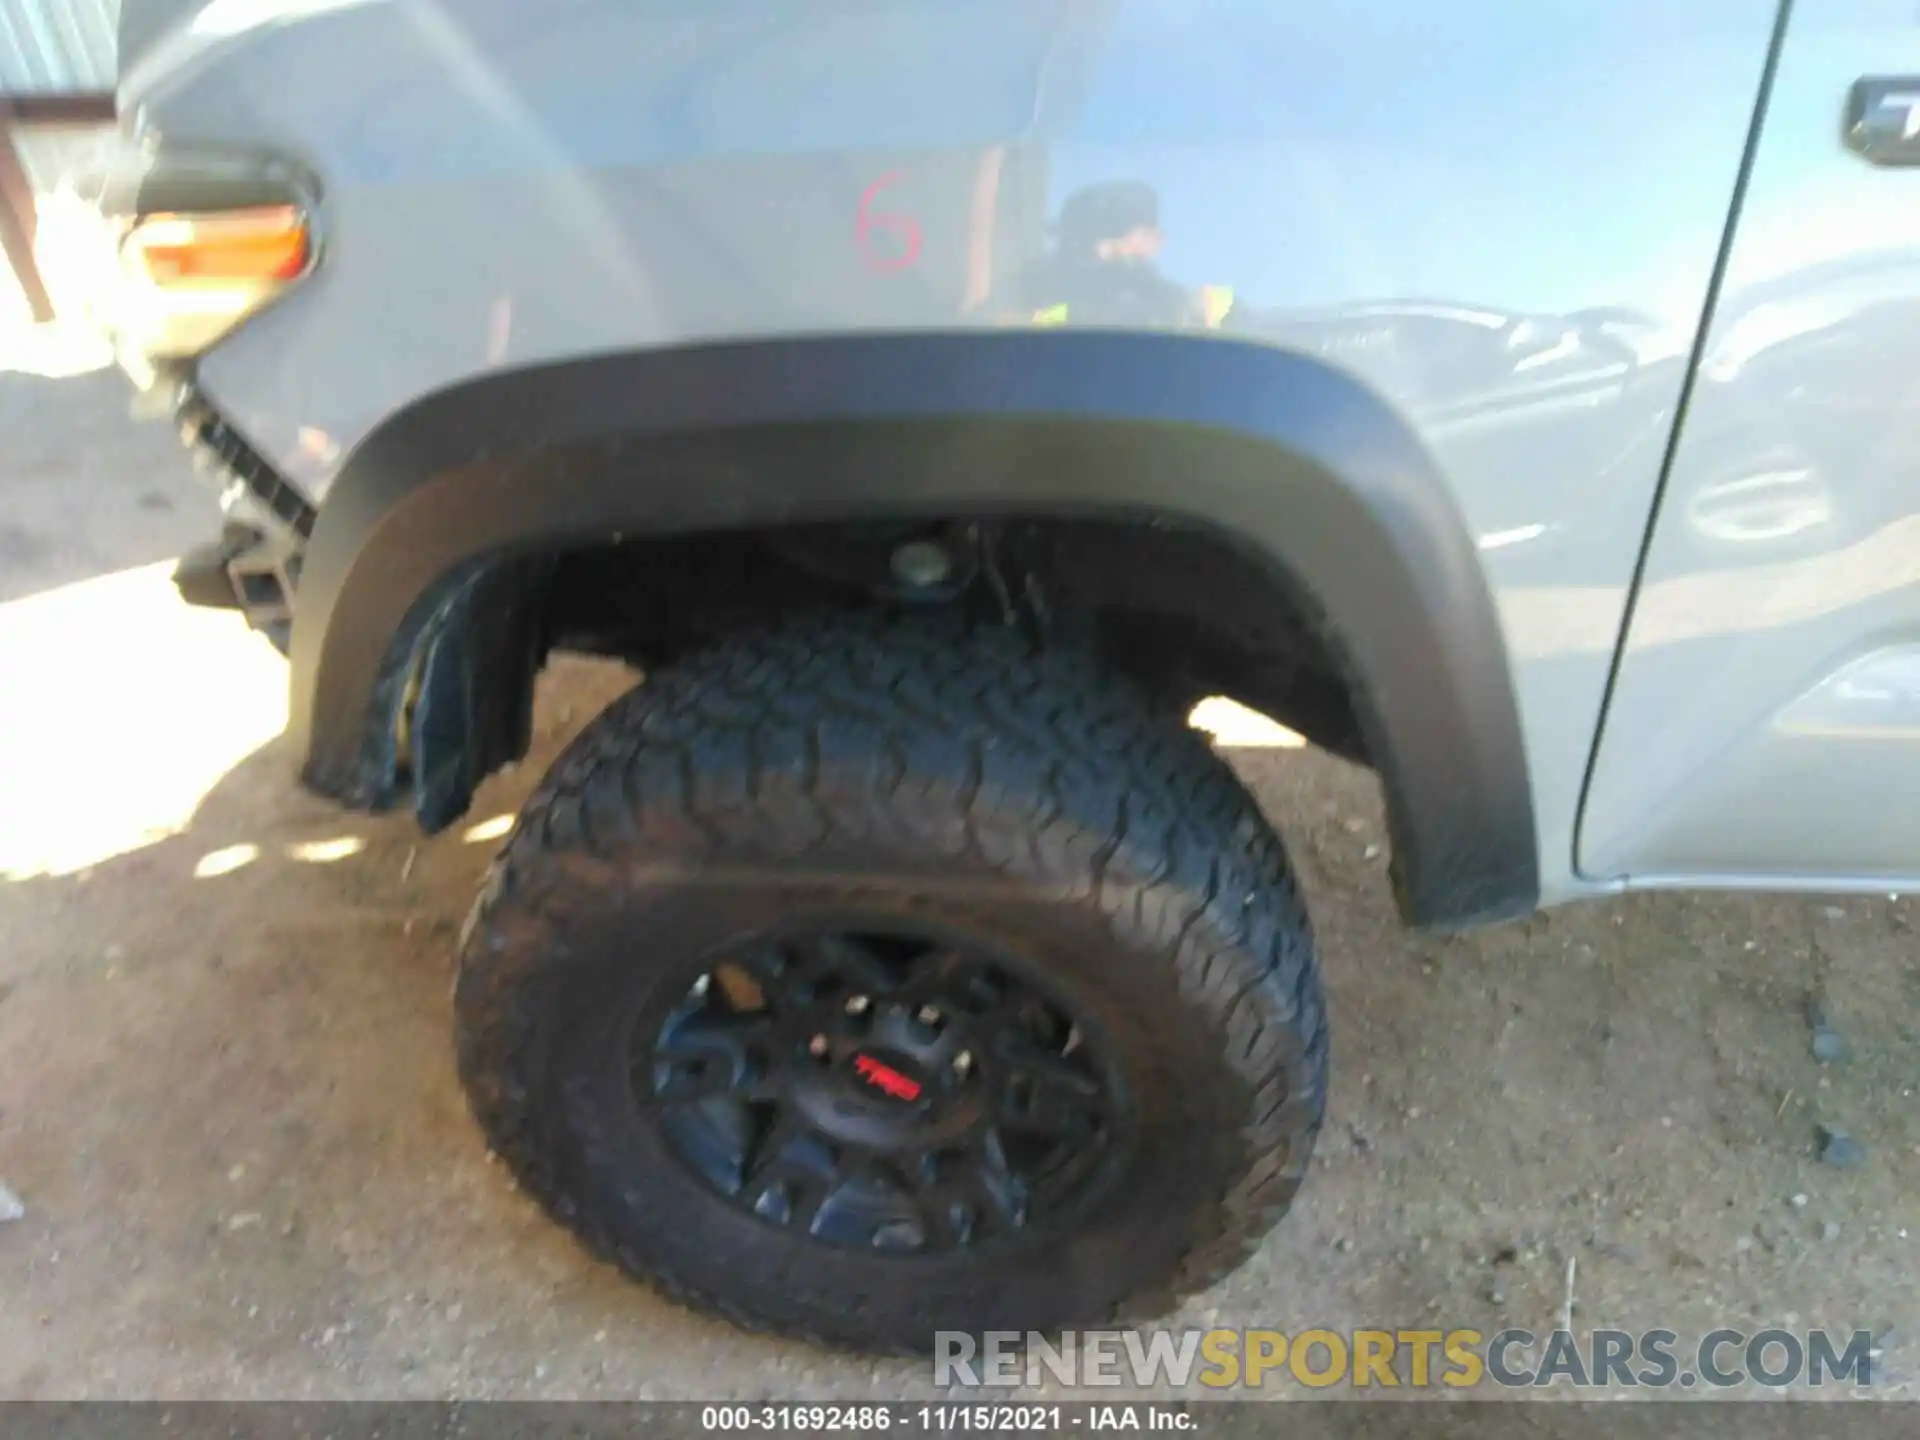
<point x="962" y="1063"/>
<point x="817" y="1047"/>
<point x="928" y="1015"/>
<point x="857" y="1005"/>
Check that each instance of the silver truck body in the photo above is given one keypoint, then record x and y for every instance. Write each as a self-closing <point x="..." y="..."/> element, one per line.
<point x="1611" y="263"/>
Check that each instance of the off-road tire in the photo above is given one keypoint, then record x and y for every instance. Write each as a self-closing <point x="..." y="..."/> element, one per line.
<point x="1029" y="796"/>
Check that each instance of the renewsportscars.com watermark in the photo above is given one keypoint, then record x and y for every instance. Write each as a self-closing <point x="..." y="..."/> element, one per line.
<point x="1410" y="1359"/>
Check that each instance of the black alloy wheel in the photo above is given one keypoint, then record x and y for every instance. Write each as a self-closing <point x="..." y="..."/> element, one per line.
<point x="877" y="1088"/>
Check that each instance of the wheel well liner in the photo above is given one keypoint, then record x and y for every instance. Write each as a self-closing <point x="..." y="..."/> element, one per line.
<point x="1276" y="454"/>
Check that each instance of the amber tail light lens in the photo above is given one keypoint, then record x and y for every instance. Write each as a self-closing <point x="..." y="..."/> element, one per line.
<point x="190" y="277"/>
<point x="264" y="246"/>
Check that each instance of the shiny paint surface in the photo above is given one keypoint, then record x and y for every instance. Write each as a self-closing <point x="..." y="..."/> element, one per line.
<point x="1502" y="216"/>
<point x="1766" y="724"/>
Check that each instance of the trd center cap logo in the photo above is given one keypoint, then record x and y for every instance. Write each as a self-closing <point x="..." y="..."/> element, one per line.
<point x="888" y="1081"/>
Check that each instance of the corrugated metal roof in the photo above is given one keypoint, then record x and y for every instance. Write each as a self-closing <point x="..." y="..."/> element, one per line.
<point x="58" y="47"/>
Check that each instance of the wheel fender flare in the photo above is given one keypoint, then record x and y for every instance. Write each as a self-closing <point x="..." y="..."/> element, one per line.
<point x="1279" y="454"/>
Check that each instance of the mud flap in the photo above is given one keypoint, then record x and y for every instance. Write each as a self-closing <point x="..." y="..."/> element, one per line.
<point x="471" y="707"/>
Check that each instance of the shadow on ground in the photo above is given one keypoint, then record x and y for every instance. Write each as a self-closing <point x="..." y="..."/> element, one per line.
<point x="86" y="493"/>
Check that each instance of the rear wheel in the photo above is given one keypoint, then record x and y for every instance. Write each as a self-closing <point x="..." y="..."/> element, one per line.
<point x="863" y="980"/>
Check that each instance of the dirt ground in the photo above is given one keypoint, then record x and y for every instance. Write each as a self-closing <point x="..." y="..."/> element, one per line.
<point x="228" y="1106"/>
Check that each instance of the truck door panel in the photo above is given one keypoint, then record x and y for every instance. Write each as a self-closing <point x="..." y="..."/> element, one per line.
<point x="1765" y="723"/>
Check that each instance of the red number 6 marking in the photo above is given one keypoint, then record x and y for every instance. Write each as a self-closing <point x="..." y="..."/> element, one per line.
<point x="885" y="257"/>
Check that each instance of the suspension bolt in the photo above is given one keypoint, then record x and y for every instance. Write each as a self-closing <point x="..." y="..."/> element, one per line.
<point x="921" y="564"/>
<point x="962" y="1063"/>
<point x="857" y="1004"/>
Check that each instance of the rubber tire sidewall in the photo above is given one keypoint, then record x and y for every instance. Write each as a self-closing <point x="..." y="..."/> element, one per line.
<point x="630" y="952"/>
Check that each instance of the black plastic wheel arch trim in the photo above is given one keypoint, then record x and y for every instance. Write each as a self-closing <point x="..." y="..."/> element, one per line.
<point x="1273" y="452"/>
